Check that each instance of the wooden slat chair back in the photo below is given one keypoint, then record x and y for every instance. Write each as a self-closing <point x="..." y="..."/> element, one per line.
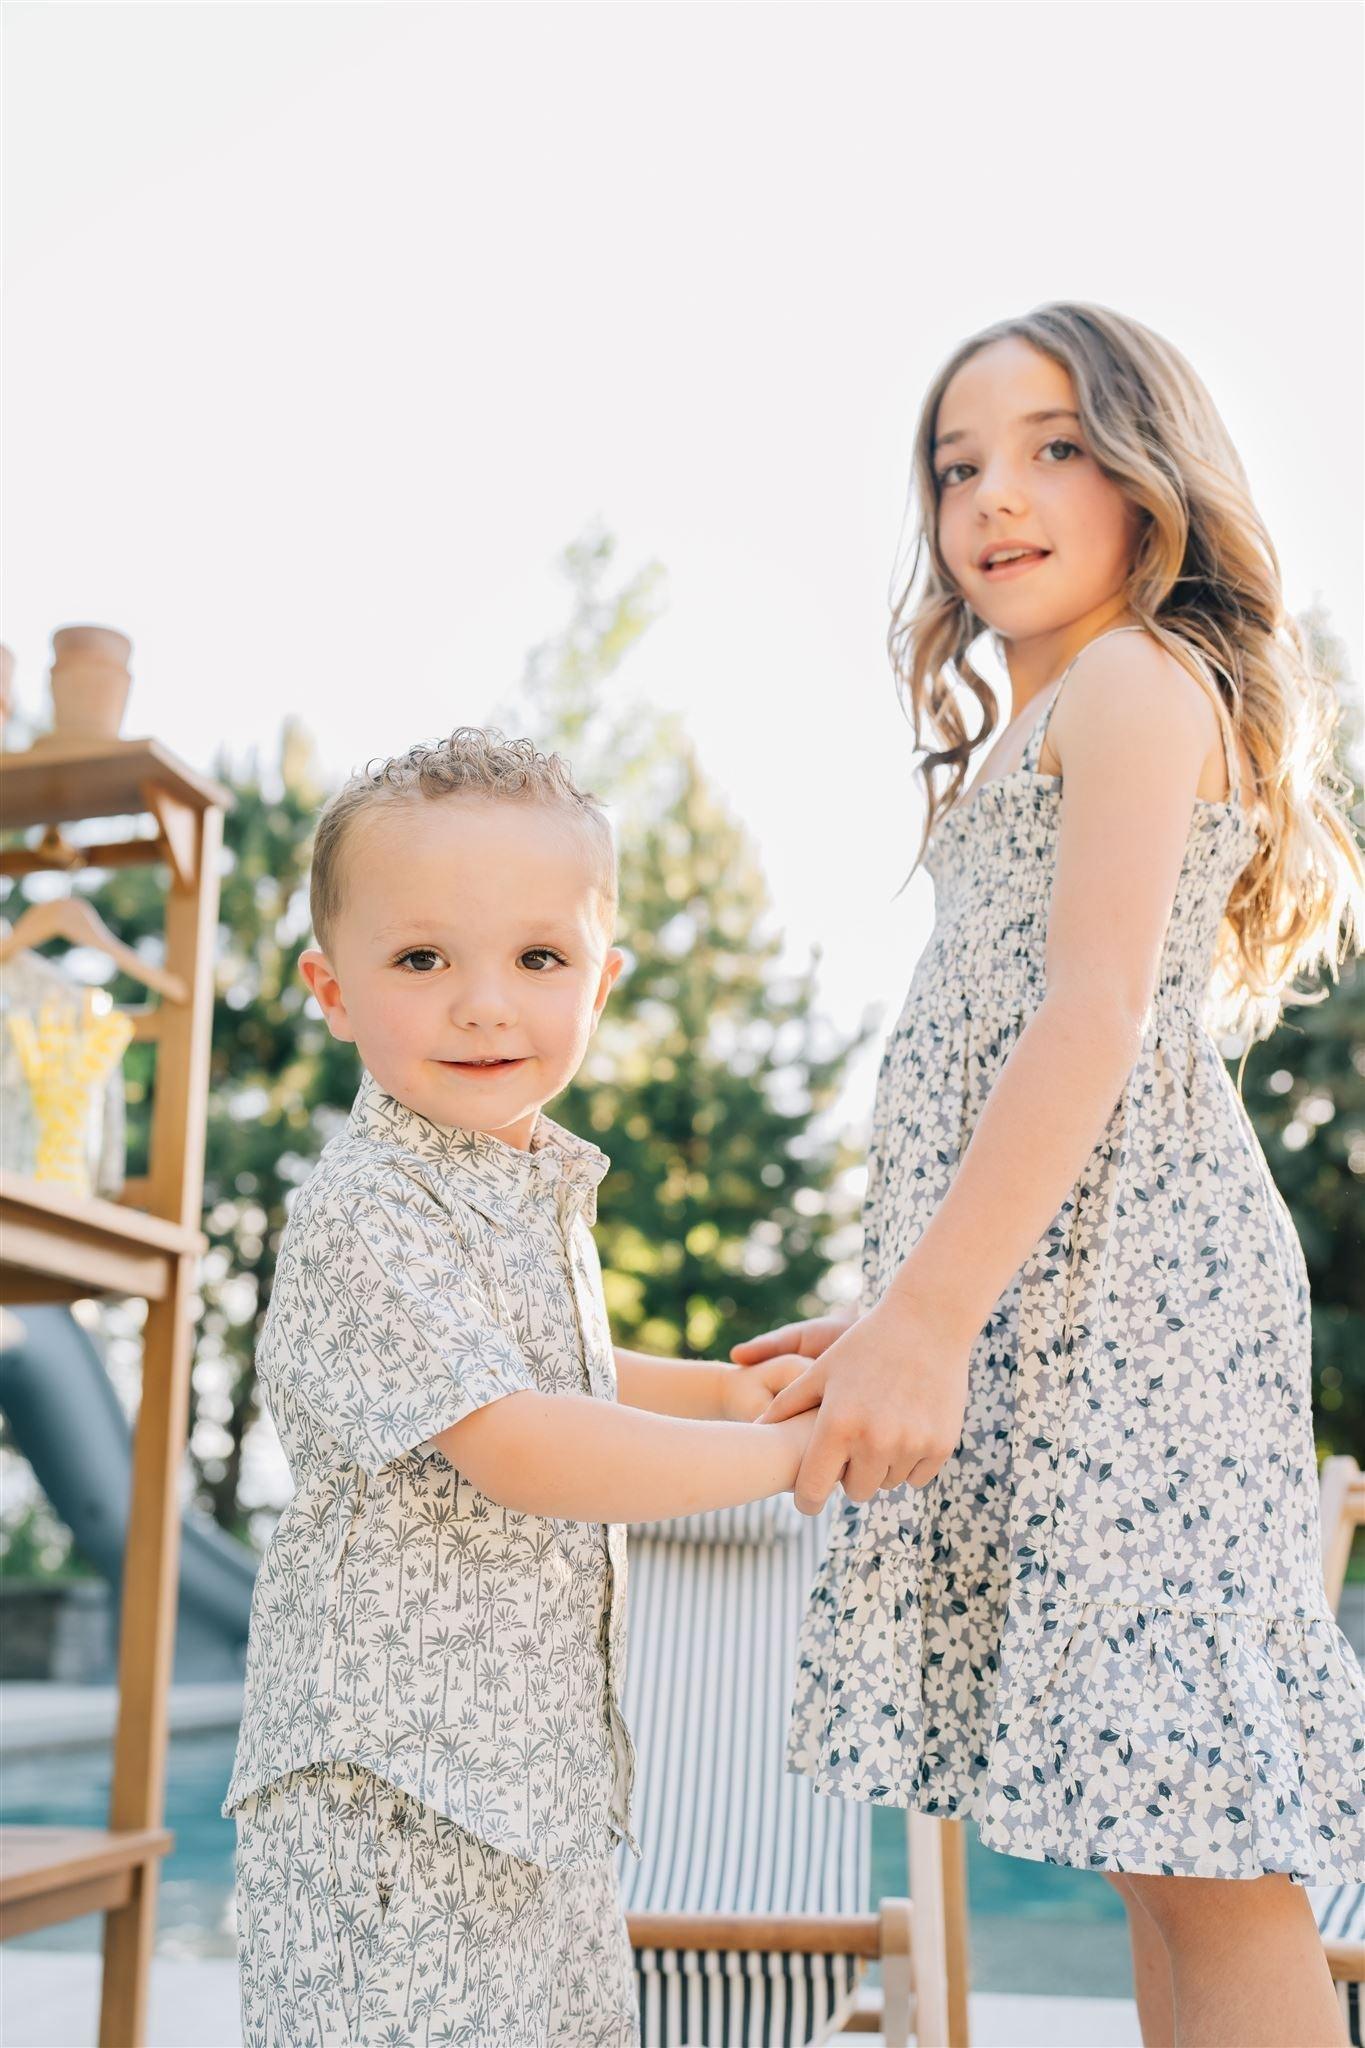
<point x="750" y="1912"/>
<point x="1340" y="1908"/>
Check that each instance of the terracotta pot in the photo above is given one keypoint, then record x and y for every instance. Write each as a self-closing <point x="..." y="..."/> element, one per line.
<point x="90" y="682"/>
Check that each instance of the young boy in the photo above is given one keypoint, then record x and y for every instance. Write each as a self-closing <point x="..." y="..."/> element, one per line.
<point x="433" y="1769"/>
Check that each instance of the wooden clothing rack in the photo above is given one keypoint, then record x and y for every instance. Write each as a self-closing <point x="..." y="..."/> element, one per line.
<point x="59" y="1247"/>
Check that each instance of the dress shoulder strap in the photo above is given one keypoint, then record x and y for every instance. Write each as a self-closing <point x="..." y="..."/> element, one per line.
<point x="1107" y="634"/>
<point x="1033" y="751"/>
<point x="1234" y="769"/>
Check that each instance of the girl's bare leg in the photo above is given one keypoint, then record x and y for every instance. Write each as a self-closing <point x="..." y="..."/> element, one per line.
<point x="1152" y="1985"/>
<point x="1247" y="1962"/>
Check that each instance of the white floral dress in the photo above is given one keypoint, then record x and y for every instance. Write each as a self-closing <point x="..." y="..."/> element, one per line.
<point x="1100" y="1632"/>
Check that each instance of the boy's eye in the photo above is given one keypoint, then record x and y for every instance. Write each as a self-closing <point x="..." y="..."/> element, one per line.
<point x="538" y="957"/>
<point x="420" y="960"/>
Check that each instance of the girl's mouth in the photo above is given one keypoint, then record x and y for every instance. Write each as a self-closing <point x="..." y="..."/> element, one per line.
<point x="1015" y="565"/>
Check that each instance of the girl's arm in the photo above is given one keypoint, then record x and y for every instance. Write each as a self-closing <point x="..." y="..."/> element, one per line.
<point x="578" y="1459"/>
<point x="704" y="1392"/>
<point x="894" y="1387"/>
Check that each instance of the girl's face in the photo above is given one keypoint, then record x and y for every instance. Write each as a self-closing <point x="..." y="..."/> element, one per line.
<point x="1014" y="472"/>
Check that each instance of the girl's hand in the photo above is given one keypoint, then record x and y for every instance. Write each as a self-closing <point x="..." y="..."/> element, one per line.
<point x="803" y="1340"/>
<point x="745" y="1395"/>
<point x="892" y="1395"/>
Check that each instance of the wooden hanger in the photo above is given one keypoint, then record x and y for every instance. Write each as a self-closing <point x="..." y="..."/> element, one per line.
<point x="73" y="919"/>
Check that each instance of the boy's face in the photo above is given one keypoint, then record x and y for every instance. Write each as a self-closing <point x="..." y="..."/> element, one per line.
<point x="470" y="959"/>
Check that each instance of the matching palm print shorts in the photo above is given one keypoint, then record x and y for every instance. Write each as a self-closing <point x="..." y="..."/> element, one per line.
<point x="367" y="1920"/>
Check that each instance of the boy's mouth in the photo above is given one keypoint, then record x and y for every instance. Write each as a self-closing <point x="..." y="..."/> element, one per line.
<point x="491" y="1066"/>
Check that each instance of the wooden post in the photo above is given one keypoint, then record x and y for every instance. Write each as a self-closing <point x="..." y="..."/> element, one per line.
<point x="151" y="1563"/>
<point x="938" y="1896"/>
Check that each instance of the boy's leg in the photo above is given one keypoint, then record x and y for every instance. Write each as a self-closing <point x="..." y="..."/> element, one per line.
<point x="466" y="1948"/>
<point x="593" y="2000"/>
<point x="307" y="1901"/>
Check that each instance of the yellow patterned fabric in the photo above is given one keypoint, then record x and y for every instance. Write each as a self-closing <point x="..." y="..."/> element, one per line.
<point x="65" y="1061"/>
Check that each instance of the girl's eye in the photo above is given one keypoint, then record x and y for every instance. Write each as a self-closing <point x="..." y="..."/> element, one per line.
<point x="1058" y="441"/>
<point x="420" y="960"/>
<point x="536" y="957"/>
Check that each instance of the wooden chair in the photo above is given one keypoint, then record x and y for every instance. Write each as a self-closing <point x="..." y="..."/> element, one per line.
<point x="751" y="1913"/>
<point x="1340" y="1908"/>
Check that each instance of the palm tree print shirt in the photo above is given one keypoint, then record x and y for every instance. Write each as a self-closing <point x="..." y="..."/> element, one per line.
<point x="468" y="1653"/>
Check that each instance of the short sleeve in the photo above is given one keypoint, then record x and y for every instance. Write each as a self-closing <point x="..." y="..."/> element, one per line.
<point x="384" y="1329"/>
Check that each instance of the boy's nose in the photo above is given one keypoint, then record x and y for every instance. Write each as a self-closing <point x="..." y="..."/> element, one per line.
<point x="485" y="1006"/>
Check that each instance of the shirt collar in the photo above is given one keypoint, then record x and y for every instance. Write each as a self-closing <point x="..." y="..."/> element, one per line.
<point x="499" y="1180"/>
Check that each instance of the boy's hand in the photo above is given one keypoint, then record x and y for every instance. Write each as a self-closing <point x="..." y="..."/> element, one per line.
<point x="803" y="1340"/>
<point x="745" y="1395"/>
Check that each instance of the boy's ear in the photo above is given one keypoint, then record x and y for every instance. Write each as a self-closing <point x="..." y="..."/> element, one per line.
<point x="611" y="968"/>
<point x="320" y="975"/>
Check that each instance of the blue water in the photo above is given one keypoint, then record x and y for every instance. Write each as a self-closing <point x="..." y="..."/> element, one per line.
<point x="1034" y="1927"/>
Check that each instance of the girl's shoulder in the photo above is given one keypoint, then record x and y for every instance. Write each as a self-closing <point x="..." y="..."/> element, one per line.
<point x="1132" y="683"/>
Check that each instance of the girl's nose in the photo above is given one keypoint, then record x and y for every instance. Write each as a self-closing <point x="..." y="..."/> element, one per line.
<point x="1000" y="491"/>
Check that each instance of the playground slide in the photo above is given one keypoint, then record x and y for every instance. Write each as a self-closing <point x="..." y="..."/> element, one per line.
<point x="65" y="1418"/>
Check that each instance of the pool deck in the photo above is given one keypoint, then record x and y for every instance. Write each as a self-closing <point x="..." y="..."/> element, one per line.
<point x="49" y="1999"/>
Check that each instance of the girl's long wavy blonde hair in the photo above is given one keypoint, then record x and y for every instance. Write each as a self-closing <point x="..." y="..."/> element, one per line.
<point x="1205" y="581"/>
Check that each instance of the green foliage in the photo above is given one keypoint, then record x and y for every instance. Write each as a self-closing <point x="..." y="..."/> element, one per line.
<point x="1304" y="1090"/>
<point x="35" y="1545"/>
<point x="706" y="1084"/>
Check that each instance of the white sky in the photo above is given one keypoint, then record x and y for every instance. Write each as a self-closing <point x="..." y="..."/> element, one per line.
<point x="327" y="327"/>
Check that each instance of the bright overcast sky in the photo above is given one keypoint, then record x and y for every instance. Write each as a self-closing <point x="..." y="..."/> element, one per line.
<point x="327" y="327"/>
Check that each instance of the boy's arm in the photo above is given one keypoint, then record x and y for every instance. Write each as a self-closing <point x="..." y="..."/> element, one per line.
<point x="577" y="1459"/>
<point x="702" y="1391"/>
<point x="673" y="1386"/>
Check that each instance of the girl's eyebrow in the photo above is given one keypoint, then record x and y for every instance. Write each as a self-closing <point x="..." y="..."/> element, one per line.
<point x="1026" y="419"/>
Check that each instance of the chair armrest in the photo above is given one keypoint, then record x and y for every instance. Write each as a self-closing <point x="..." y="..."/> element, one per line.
<point x="802" y="1934"/>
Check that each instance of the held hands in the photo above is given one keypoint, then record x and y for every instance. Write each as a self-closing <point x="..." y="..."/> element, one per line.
<point x="891" y="1389"/>
<point x="745" y="1395"/>
<point x="773" y="1361"/>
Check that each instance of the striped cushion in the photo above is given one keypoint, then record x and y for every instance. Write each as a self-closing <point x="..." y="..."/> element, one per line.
<point x="758" y="1521"/>
<point x="723" y="1825"/>
<point x="1340" y="1911"/>
<point x="740" y="2000"/>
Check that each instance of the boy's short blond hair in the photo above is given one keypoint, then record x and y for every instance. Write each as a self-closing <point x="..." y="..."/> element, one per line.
<point x="474" y="760"/>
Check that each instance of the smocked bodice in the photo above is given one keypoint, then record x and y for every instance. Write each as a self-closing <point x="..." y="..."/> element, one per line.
<point x="993" y="860"/>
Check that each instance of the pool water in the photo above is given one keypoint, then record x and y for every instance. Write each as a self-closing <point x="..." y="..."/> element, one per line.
<point x="1034" y="1926"/>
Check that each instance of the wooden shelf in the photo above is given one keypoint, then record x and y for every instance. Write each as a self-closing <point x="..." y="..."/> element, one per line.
<point x="58" y="1246"/>
<point x="39" y="786"/>
<point x="50" y="1874"/>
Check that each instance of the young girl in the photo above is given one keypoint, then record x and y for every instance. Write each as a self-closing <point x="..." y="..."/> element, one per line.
<point x="1076" y="1591"/>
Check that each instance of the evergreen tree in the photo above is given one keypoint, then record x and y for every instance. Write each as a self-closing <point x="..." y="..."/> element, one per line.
<point x="711" y="1072"/>
<point x="1304" y="1089"/>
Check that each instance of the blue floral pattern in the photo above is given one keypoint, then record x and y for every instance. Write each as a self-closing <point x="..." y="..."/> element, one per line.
<point x="1100" y="1631"/>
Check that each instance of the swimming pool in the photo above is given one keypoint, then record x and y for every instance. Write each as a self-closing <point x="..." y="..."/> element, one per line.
<point x="1034" y="1927"/>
